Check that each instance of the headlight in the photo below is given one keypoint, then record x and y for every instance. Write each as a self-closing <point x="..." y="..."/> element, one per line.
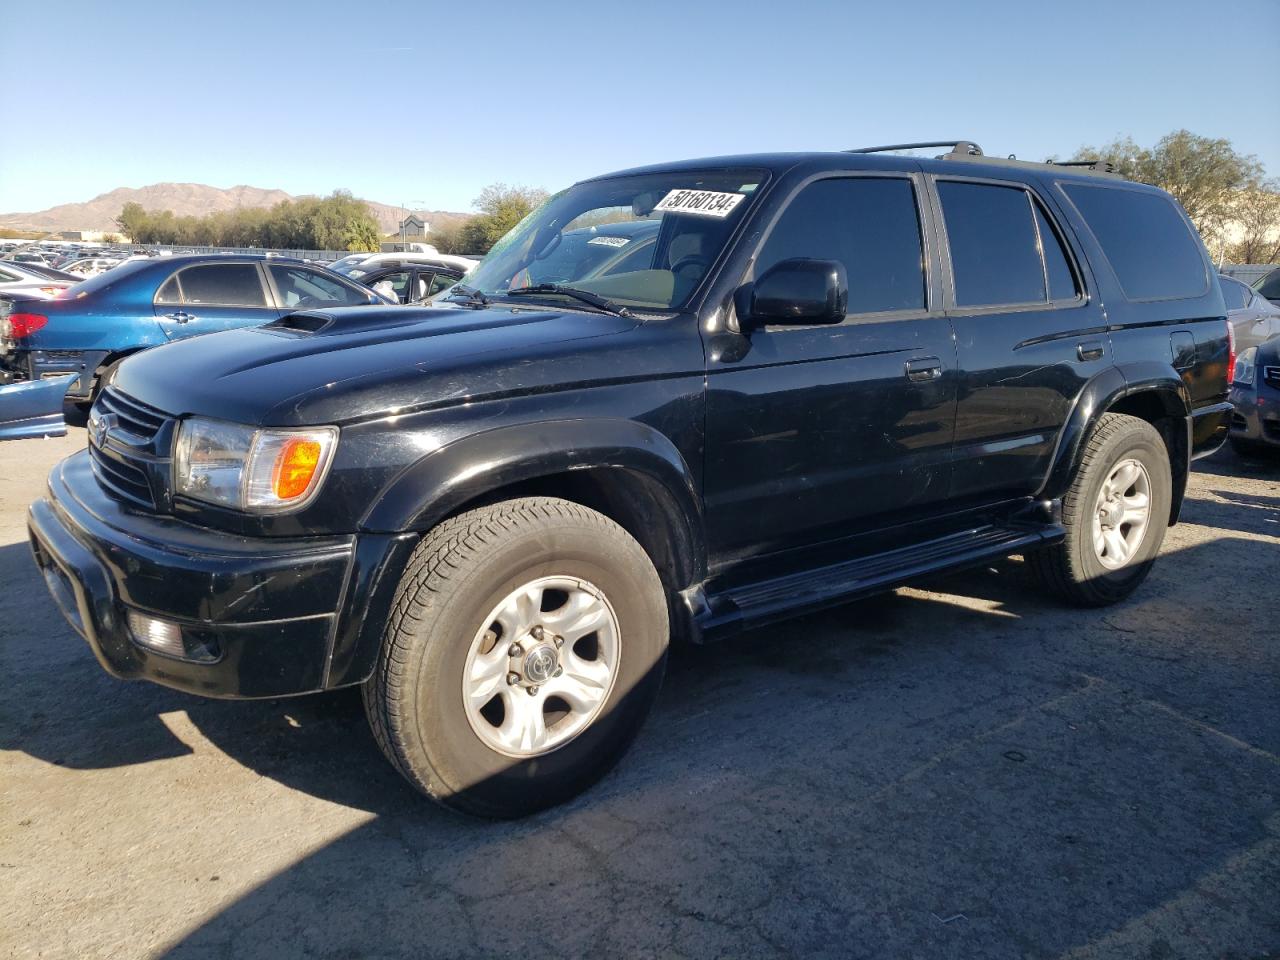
<point x="245" y="468"/>
<point x="1245" y="366"/>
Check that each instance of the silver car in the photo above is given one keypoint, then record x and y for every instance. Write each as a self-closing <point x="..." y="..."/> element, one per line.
<point x="1254" y="318"/>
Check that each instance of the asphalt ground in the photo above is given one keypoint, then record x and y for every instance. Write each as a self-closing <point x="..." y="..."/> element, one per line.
<point x="965" y="769"/>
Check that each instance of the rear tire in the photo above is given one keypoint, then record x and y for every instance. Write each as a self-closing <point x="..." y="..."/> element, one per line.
<point x="463" y="607"/>
<point x="1102" y="558"/>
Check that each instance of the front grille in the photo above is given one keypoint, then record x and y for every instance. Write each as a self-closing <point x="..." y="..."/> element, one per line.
<point x="124" y="479"/>
<point x="135" y="418"/>
<point x="124" y="437"/>
<point x="1271" y="375"/>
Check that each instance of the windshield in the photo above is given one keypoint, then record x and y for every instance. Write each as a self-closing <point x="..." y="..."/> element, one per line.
<point x="642" y="241"/>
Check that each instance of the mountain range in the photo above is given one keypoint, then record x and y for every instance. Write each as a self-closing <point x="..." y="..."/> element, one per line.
<point x="189" y="199"/>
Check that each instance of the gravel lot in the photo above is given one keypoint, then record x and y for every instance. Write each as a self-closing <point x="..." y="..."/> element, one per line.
<point x="963" y="771"/>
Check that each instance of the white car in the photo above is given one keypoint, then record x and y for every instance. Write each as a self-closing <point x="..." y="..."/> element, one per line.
<point x="90" y="266"/>
<point x="370" y="262"/>
<point x="17" y="281"/>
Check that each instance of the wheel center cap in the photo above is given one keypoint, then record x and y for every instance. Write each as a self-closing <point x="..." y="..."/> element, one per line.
<point x="1111" y="513"/>
<point x="540" y="663"/>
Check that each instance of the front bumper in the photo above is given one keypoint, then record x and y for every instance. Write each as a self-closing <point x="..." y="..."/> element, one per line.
<point x="276" y="610"/>
<point x="1256" y="418"/>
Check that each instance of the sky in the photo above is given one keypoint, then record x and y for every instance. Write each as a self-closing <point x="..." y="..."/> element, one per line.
<point x="423" y="104"/>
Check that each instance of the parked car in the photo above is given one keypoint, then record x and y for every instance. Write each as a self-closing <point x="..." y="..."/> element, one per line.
<point x="148" y="302"/>
<point x="15" y="281"/>
<point x="27" y="256"/>
<point x="1254" y="319"/>
<point x="1255" y="393"/>
<point x="89" y="266"/>
<point x="371" y="262"/>
<point x="40" y="271"/>
<point x="407" y="282"/>
<point x="1269" y="286"/>
<point x="341" y="266"/>
<point x="829" y="375"/>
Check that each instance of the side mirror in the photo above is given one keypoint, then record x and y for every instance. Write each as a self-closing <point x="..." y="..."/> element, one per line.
<point x="799" y="292"/>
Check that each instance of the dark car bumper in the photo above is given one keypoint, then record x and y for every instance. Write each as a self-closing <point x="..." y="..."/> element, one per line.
<point x="1208" y="428"/>
<point x="1256" y="418"/>
<point x="81" y="364"/>
<point x="267" y="616"/>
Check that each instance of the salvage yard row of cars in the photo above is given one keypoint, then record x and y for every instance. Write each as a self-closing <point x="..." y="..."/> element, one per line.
<point x="678" y="401"/>
<point x="62" y="335"/>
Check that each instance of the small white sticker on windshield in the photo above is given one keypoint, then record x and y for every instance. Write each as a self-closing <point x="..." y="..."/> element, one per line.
<point x="610" y="241"/>
<point x="704" y="203"/>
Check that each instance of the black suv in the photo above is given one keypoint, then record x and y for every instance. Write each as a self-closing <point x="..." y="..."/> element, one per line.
<point x="819" y="376"/>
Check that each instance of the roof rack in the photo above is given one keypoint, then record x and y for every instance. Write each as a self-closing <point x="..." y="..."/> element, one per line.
<point x="968" y="150"/>
<point x="1102" y="166"/>
<point x="960" y="147"/>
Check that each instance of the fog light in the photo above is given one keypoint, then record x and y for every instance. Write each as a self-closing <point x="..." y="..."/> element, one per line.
<point x="157" y="634"/>
<point x="168" y="638"/>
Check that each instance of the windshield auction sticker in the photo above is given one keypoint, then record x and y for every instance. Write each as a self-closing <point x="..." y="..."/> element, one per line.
<point x="610" y="241"/>
<point x="704" y="203"/>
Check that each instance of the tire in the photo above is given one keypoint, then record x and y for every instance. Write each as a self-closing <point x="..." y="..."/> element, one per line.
<point x="461" y="576"/>
<point x="1074" y="569"/>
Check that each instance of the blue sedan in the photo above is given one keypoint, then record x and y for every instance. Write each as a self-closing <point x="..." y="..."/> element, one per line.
<point x="144" y="303"/>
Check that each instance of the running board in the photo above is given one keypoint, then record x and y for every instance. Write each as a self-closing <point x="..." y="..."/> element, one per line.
<point x="752" y="605"/>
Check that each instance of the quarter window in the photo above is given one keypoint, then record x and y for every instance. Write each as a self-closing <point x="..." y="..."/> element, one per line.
<point x="995" y="254"/>
<point x="1057" y="269"/>
<point x="869" y="224"/>
<point x="1148" y="243"/>
<point x="169" y="293"/>
<point x="223" y="284"/>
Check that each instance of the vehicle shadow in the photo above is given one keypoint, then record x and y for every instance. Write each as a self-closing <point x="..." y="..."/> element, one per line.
<point x="835" y="786"/>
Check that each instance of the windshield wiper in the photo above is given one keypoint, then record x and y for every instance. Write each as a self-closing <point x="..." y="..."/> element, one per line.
<point x="471" y="295"/>
<point x="586" y="296"/>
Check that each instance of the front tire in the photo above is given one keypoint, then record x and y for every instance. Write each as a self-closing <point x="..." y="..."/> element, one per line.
<point x="1115" y="514"/>
<point x="525" y="648"/>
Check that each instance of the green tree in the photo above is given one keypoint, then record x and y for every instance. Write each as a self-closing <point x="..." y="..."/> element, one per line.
<point x="1256" y="219"/>
<point x="132" y="221"/>
<point x="1204" y="174"/>
<point x="363" y="236"/>
<point x="501" y="208"/>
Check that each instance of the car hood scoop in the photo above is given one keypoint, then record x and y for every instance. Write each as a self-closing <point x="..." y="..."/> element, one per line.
<point x="328" y="366"/>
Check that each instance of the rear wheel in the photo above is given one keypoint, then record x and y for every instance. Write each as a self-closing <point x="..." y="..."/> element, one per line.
<point x="525" y="648"/>
<point x="1115" y="514"/>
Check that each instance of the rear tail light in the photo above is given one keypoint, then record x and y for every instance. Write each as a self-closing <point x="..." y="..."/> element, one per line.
<point x="24" y="324"/>
<point x="51" y="291"/>
<point x="1231" y="353"/>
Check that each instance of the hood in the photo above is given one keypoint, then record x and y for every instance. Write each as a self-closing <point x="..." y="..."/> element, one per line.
<point x="359" y="362"/>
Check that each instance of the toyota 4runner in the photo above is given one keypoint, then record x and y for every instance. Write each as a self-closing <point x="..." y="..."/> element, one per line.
<point x="743" y="389"/>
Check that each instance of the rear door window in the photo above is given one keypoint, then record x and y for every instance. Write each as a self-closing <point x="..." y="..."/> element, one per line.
<point x="223" y="284"/>
<point x="869" y="224"/>
<point x="1144" y="236"/>
<point x="995" y="248"/>
<point x="299" y="287"/>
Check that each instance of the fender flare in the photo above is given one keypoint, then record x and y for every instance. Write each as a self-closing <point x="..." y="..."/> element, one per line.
<point x="441" y="482"/>
<point x="1100" y="395"/>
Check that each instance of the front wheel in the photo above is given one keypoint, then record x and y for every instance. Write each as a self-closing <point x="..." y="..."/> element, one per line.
<point x="524" y="650"/>
<point x="1115" y="514"/>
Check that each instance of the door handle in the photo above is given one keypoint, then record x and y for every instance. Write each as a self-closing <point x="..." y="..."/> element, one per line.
<point x="925" y="368"/>
<point x="180" y="316"/>
<point x="1089" y="350"/>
